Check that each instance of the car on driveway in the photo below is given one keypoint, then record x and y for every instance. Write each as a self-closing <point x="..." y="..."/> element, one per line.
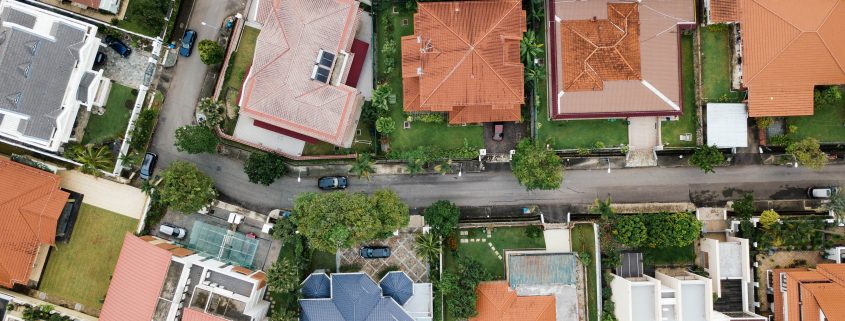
<point x="498" y="132"/>
<point x="821" y="191"/>
<point x="332" y="182"/>
<point x="172" y="230"/>
<point x="375" y="252"/>
<point x="148" y="166"/>
<point x="118" y="46"/>
<point x="188" y="43"/>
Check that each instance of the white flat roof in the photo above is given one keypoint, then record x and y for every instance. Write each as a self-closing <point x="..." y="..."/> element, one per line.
<point x="727" y="125"/>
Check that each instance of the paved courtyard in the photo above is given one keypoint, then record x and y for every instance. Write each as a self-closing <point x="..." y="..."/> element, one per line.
<point x="127" y="71"/>
<point x="401" y="255"/>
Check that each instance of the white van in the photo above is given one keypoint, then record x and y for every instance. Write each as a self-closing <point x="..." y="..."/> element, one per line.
<point x="172" y="230"/>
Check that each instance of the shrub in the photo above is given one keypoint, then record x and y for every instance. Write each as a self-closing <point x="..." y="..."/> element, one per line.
<point x="630" y="230"/>
<point x="143" y="129"/>
<point x="769" y="218"/>
<point x="31" y="162"/>
<point x="385" y="125"/>
<point x="434" y="118"/>
<point x="671" y="229"/>
<point x="442" y="216"/>
<point x="264" y="168"/>
<point x="829" y="96"/>
<point x="809" y="153"/>
<point x="533" y="231"/>
<point x="195" y="139"/>
<point x="211" y="53"/>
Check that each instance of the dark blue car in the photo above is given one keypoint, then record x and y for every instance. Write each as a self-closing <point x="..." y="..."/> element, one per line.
<point x="375" y="252"/>
<point x="332" y="182"/>
<point x="118" y="46"/>
<point x="187" y="43"/>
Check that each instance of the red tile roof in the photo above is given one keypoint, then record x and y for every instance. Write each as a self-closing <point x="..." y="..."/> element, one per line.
<point x="279" y="89"/>
<point x="821" y="288"/>
<point x="788" y="48"/>
<point x="93" y="4"/>
<point x="191" y="314"/>
<point x="497" y="302"/>
<point x="464" y="59"/>
<point x="30" y="204"/>
<point x="723" y="11"/>
<point x="136" y="282"/>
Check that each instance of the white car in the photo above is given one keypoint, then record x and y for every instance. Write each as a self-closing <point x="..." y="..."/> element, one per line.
<point x="821" y="192"/>
<point x="172" y="230"/>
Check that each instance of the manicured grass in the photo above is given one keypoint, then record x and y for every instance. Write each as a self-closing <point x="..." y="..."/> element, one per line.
<point x="672" y="130"/>
<point x="114" y="121"/>
<point x="358" y="146"/>
<point x="504" y="238"/>
<point x="674" y="256"/>
<point x="137" y="8"/>
<point x="80" y="271"/>
<point x="241" y="61"/>
<point x="322" y="260"/>
<point x="420" y="134"/>
<point x="827" y="124"/>
<point x="583" y="241"/>
<point x="565" y="134"/>
<point x="716" y="65"/>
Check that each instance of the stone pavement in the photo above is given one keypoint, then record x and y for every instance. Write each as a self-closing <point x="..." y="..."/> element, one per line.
<point x="127" y="71"/>
<point x="402" y="255"/>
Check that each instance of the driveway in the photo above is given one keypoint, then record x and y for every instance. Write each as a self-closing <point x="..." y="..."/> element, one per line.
<point x="119" y="198"/>
<point x="127" y="71"/>
<point x="513" y="132"/>
<point x="402" y="256"/>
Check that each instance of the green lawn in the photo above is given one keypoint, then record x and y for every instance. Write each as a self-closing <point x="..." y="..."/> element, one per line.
<point x="504" y="238"/>
<point x="80" y="271"/>
<point x="322" y="260"/>
<point x="136" y="8"/>
<point x="674" y="256"/>
<point x="114" y="121"/>
<point x="239" y="63"/>
<point x="716" y="65"/>
<point x="583" y="241"/>
<point x="420" y="134"/>
<point x="583" y="133"/>
<point x="672" y="130"/>
<point x="827" y="124"/>
<point x="360" y="144"/>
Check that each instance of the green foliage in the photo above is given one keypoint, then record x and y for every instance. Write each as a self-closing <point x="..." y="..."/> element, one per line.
<point x="671" y="229"/>
<point x="211" y="53"/>
<point x="149" y="13"/>
<point x="463" y="297"/>
<point x="536" y="167"/>
<point x="283" y="276"/>
<point x="93" y="159"/>
<point x="534" y="73"/>
<point x="185" y="189"/>
<point x="195" y="139"/>
<point x="143" y="129"/>
<point x="285" y="315"/>
<point x="586" y="259"/>
<point x="764" y="122"/>
<point x="442" y="216"/>
<point x="430" y="153"/>
<point x="427" y="247"/>
<point x="809" y="153"/>
<point x="837" y="204"/>
<point x="706" y="157"/>
<point x="381" y="99"/>
<point x="414" y="166"/>
<point x="780" y="140"/>
<point x="828" y="96"/>
<point x="363" y="166"/>
<point x="341" y="219"/>
<point x="444" y="167"/>
<point x="31" y="162"/>
<point x="285" y="231"/>
<point x="432" y="118"/>
<point x="214" y="111"/>
<point x="534" y="231"/>
<point x="630" y="230"/>
<point x="385" y="125"/>
<point x="264" y="168"/>
<point x="719" y="27"/>
<point x="530" y="48"/>
<point x="388" y="47"/>
<point x="769" y="218"/>
<point x="744" y="208"/>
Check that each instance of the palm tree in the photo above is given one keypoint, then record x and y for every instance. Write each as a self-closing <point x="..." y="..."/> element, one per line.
<point x="131" y="159"/>
<point x="427" y="247"/>
<point x="534" y="73"/>
<point x="93" y="160"/>
<point x="363" y="166"/>
<point x="536" y="14"/>
<point x="529" y="48"/>
<point x="414" y="166"/>
<point x="444" y="168"/>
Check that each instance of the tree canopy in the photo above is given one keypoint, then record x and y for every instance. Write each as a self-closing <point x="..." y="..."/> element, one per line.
<point x="213" y="110"/>
<point x="462" y="301"/>
<point x="195" y="139"/>
<point x="536" y="167"/>
<point x="809" y="153"/>
<point x="671" y="229"/>
<point x="342" y="219"/>
<point x="264" y="168"/>
<point x="363" y="166"/>
<point x="442" y="216"/>
<point x="769" y="218"/>
<point x="707" y="157"/>
<point x="185" y="189"/>
<point x="630" y="230"/>
<point x="283" y="276"/>
<point x="385" y="125"/>
<point x="211" y="53"/>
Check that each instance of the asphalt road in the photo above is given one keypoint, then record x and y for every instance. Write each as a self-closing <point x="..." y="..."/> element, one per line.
<point x="488" y="188"/>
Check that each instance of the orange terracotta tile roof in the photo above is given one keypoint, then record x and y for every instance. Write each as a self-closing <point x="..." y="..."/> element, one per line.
<point x="242" y="270"/>
<point x="822" y="288"/>
<point x="723" y="11"/>
<point x="93" y="4"/>
<point x="788" y="48"/>
<point x="181" y="252"/>
<point x="279" y="89"/>
<point x="260" y="276"/>
<point x="595" y="51"/>
<point x="464" y="59"/>
<point x="497" y="302"/>
<point x="191" y="314"/>
<point x="136" y="282"/>
<point x="30" y="204"/>
<point x="828" y="298"/>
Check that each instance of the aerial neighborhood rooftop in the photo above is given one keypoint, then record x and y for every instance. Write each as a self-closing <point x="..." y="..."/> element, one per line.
<point x="384" y="160"/>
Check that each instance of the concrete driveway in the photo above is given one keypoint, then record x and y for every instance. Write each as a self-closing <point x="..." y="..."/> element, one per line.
<point x="119" y="198"/>
<point x="127" y="71"/>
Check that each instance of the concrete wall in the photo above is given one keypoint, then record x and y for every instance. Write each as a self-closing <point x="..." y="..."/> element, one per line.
<point x="621" y="298"/>
<point x="711" y="247"/>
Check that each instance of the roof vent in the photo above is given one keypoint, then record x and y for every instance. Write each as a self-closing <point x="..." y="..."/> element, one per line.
<point x="14" y="100"/>
<point x="2" y="37"/>
<point x="32" y="46"/>
<point x="25" y="69"/>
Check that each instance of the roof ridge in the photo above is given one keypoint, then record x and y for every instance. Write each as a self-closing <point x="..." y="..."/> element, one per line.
<point x="824" y="22"/>
<point x="471" y="50"/>
<point x="789" y="44"/>
<point x="437" y="18"/>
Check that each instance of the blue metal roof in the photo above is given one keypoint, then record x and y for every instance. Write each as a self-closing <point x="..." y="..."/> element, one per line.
<point x="398" y="286"/>
<point x="354" y="297"/>
<point x="317" y="286"/>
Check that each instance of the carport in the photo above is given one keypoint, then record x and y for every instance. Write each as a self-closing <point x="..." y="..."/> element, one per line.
<point x="631" y="265"/>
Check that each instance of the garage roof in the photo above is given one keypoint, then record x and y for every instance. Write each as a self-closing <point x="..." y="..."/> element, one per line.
<point x="727" y="125"/>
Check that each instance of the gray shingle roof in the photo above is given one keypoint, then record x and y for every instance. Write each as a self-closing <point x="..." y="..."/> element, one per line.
<point x="354" y="297"/>
<point x="35" y="70"/>
<point x="17" y="17"/>
<point x="398" y="286"/>
<point x="82" y="91"/>
<point x="317" y="286"/>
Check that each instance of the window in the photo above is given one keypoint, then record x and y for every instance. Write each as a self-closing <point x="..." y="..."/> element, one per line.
<point x="783" y="282"/>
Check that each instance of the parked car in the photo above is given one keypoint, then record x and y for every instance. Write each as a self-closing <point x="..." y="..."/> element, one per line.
<point x="99" y="59"/>
<point x="332" y="182"/>
<point x="172" y="230"/>
<point x="118" y="46"/>
<point x="375" y="252"/>
<point x="498" y="132"/>
<point x="188" y="43"/>
<point x="148" y="166"/>
<point x="273" y="217"/>
<point x="821" y="192"/>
